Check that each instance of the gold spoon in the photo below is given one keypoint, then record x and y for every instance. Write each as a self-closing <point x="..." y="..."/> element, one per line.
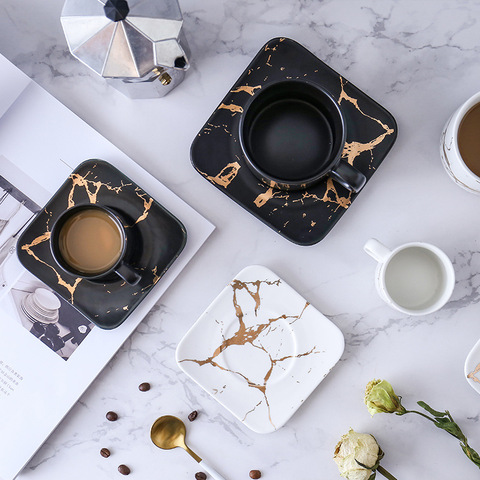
<point x="169" y="432"/>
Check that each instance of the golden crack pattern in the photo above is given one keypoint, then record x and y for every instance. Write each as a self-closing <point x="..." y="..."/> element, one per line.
<point x="246" y="89"/>
<point x="232" y="107"/>
<point x="210" y="127"/>
<point x="45" y="237"/>
<point x="353" y="149"/>
<point x="91" y="187"/>
<point x="225" y="176"/>
<point x="473" y="373"/>
<point x="147" y="203"/>
<point x="350" y="153"/>
<point x="264" y="197"/>
<point x="249" y="335"/>
<point x="156" y="277"/>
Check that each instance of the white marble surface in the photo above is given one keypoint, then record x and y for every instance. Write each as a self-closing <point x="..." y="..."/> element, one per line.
<point x="420" y="60"/>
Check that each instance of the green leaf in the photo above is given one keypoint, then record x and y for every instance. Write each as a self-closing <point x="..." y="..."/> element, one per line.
<point x="444" y="421"/>
<point x="451" y="427"/>
<point x="429" y="409"/>
<point x="471" y="454"/>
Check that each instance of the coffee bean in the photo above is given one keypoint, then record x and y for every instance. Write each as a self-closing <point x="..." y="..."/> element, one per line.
<point x="200" y="476"/>
<point x="144" y="387"/>
<point x="105" y="452"/>
<point x="255" y="474"/>
<point x="123" y="469"/>
<point x="112" y="416"/>
<point x="193" y="416"/>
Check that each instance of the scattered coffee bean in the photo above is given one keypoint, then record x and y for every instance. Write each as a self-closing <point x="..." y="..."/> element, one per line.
<point x="144" y="387"/>
<point x="193" y="416"/>
<point x="105" y="452"/>
<point x="111" y="416"/>
<point x="200" y="476"/>
<point x="255" y="473"/>
<point x="123" y="469"/>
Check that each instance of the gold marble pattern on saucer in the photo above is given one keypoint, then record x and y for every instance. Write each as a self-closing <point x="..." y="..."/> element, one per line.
<point x="307" y="215"/>
<point x="260" y="349"/>
<point x="472" y="367"/>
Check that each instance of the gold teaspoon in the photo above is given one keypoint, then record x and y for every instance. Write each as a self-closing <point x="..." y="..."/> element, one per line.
<point x="169" y="432"/>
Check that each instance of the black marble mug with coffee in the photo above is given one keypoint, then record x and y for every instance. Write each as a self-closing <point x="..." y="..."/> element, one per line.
<point x="90" y="241"/>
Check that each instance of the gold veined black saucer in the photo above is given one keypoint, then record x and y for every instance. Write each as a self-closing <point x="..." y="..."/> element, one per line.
<point x="305" y="216"/>
<point x="157" y="235"/>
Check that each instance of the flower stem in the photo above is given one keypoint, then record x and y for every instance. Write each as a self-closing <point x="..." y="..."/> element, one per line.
<point x="453" y="429"/>
<point x="385" y="473"/>
<point x="422" y="414"/>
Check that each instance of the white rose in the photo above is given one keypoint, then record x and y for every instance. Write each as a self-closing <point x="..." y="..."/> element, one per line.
<point x="355" y="448"/>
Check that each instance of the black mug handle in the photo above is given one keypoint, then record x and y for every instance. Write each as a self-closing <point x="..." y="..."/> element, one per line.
<point x="127" y="273"/>
<point x="348" y="176"/>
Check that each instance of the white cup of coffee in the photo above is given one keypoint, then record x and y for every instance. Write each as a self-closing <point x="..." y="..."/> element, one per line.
<point x="415" y="278"/>
<point x="460" y="145"/>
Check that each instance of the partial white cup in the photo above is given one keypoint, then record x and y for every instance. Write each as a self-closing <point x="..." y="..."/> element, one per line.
<point x="450" y="153"/>
<point x="415" y="278"/>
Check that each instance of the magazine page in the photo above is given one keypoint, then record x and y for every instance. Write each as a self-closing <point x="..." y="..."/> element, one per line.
<point x="12" y="84"/>
<point x="49" y="352"/>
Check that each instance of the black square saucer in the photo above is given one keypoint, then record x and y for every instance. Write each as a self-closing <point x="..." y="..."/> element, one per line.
<point x="158" y="236"/>
<point x="305" y="216"/>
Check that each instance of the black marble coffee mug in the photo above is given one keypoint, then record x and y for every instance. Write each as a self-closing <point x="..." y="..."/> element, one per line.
<point x="292" y="134"/>
<point x="90" y="241"/>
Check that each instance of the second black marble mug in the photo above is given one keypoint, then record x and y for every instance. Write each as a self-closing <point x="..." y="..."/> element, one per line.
<point x="292" y="134"/>
<point x="90" y="241"/>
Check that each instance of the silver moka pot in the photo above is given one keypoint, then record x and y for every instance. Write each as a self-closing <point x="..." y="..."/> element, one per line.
<point x="137" y="45"/>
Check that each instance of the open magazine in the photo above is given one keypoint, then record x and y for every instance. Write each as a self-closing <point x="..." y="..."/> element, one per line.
<point x="49" y="352"/>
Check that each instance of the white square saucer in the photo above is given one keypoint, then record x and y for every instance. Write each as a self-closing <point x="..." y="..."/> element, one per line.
<point x="260" y="349"/>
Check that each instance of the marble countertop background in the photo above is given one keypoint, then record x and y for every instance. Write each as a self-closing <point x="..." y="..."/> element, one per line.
<point x="420" y="60"/>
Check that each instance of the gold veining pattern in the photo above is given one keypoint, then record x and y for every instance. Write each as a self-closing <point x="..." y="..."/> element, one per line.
<point x="473" y="373"/>
<point x="336" y="199"/>
<point x="264" y="197"/>
<point x="252" y="336"/>
<point x="156" y="277"/>
<point x="232" y="107"/>
<point x="332" y="196"/>
<point x="89" y="183"/>
<point x="45" y="237"/>
<point x="353" y="149"/>
<point x="209" y="127"/>
<point x="91" y="187"/>
<point x="351" y="152"/>
<point x="226" y="175"/>
<point x="147" y="203"/>
<point x="274" y="48"/>
<point x="247" y="89"/>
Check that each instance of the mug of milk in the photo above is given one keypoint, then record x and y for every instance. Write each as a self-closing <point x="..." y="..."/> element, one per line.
<point x="415" y="278"/>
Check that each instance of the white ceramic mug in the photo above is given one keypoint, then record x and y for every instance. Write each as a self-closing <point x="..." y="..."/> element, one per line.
<point x="450" y="153"/>
<point x="415" y="278"/>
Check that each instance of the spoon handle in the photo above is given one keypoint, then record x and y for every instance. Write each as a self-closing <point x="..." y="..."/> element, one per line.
<point x="214" y="474"/>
